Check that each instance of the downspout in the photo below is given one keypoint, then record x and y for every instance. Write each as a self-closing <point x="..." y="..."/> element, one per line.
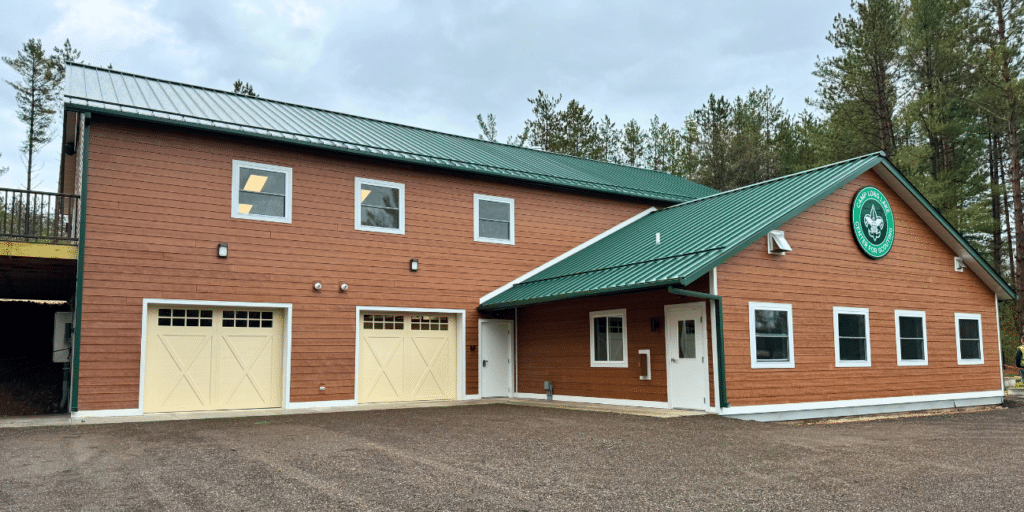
<point x="76" y="357"/>
<point x="721" y="339"/>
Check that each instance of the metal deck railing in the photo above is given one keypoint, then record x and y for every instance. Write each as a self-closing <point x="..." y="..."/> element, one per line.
<point x="38" y="216"/>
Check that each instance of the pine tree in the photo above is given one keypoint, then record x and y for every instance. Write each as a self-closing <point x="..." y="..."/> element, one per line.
<point x="244" y="88"/>
<point x="37" y="95"/>
<point x="634" y="144"/>
<point x="489" y="128"/>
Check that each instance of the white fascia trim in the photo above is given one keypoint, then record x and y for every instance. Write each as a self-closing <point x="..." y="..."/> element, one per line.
<point x="460" y="360"/>
<point x="511" y="219"/>
<point x="838" y="310"/>
<point x="770" y="306"/>
<point x="565" y="255"/>
<point x="981" y="339"/>
<point x="359" y="206"/>
<point x="472" y="397"/>
<point x="327" y="404"/>
<point x="236" y="166"/>
<point x="594" y="400"/>
<point x="286" y="363"/>
<point x="867" y="402"/>
<point x="106" y="413"/>
<point x="899" y="343"/>
<point x="608" y="313"/>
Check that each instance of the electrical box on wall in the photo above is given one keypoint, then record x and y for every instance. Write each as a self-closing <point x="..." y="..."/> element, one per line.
<point x="63" y="325"/>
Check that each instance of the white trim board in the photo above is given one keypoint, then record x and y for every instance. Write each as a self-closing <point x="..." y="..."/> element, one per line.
<point x="593" y="400"/>
<point x="566" y="254"/>
<point x="286" y="332"/>
<point x="327" y="404"/>
<point x="106" y="413"/>
<point x="784" y="412"/>
<point x="460" y="360"/>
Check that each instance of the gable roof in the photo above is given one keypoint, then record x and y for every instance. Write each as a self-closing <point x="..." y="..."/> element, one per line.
<point x="698" y="235"/>
<point x="106" y="91"/>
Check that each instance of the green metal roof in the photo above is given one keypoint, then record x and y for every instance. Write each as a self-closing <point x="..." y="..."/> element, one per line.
<point x="698" y="235"/>
<point x="106" y="91"/>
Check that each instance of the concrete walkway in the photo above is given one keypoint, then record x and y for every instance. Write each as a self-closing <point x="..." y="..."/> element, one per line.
<point x="65" y="419"/>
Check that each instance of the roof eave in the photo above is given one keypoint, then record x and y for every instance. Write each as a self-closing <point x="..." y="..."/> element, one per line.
<point x="636" y="287"/>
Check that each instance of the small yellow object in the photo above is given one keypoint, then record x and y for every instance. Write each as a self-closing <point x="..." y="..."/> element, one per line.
<point x="244" y="208"/>
<point x="365" y="193"/>
<point x="255" y="183"/>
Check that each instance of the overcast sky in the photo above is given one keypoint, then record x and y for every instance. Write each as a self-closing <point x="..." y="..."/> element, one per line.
<point x="437" y="64"/>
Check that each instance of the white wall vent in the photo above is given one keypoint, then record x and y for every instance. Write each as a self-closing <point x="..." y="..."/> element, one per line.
<point x="958" y="264"/>
<point x="777" y="243"/>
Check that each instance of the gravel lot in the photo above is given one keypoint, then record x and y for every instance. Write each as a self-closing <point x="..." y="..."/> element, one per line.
<point x="508" y="457"/>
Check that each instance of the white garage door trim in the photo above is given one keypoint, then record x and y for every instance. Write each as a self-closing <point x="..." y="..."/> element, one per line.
<point x="460" y="362"/>
<point x="286" y="362"/>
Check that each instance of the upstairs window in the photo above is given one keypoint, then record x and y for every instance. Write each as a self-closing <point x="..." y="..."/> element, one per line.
<point x="494" y="219"/>
<point x="380" y="206"/>
<point x="853" y="336"/>
<point x="911" y="338"/>
<point x="608" y="338"/>
<point x="968" y="339"/>
<point x="771" y="335"/>
<point x="261" y="192"/>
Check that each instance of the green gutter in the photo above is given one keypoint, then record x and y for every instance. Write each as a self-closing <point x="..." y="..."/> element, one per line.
<point x="81" y="263"/>
<point x="720" y="361"/>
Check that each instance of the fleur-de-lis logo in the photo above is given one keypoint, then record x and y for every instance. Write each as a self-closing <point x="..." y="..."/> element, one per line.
<point x="874" y="224"/>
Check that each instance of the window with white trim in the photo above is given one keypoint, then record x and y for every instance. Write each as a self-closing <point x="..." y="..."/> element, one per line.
<point x="494" y="219"/>
<point x="380" y="206"/>
<point x="852" y="336"/>
<point x="911" y="338"/>
<point x="261" y="192"/>
<point x="608" y="338"/>
<point x="771" y="335"/>
<point x="968" y="339"/>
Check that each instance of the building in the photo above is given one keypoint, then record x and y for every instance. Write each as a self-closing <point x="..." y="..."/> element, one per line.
<point x="241" y="253"/>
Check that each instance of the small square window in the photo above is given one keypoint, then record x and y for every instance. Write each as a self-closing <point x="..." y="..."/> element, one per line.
<point x="261" y="192"/>
<point x="608" y="347"/>
<point x="771" y="335"/>
<point x="494" y="219"/>
<point x="853" y="336"/>
<point x="968" y="339"/>
<point x="380" y="206"/>
<point x="911" y="338"/>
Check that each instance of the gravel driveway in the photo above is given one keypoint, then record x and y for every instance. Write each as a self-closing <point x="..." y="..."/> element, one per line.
<point x="508" y="457"/>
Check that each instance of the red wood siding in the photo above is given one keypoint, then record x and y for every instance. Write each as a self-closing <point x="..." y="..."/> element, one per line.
<point x="827" y="269"/>
<point x="159" y="202"/>
<point x="554" y="345"/>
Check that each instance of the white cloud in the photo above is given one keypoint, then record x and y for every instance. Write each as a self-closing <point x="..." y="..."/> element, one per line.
<point x="110" y="23"/>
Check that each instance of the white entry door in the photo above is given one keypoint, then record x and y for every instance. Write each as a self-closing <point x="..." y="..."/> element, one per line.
<point x="495" y="358"/>
<point x="686" y="355"/>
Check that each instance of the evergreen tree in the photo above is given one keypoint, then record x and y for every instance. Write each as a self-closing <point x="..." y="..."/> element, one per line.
<point x="243" y="88"/>
<point x="576" y="133"/>
<point x="36" y="94"/>
<point x="609" y="141"/>
<point x="489" y="128"/>
<point x="542" y="132"/>
<point x="634" y="144"/>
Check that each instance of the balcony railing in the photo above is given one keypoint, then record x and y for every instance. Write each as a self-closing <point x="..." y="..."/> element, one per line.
<point x="38" y="216"/>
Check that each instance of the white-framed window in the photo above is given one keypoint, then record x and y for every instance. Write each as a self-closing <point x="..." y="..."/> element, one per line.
<point x="380" y="206"/>
<point x="968" y="339"/>
<point x="608" y="339"/>
<point x="911" y="338"/>
<point x="771" y="335"/>
<point x="261" y="192"/>
<point x="853" y="336"/>
<point x="494" y="219"/>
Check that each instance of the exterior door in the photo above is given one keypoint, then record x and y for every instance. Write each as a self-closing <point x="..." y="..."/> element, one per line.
<point x="203" y="358"/>
<point x="495" y="358"/>
<point x="407" y="357"/>
<point x="686" y="356"/>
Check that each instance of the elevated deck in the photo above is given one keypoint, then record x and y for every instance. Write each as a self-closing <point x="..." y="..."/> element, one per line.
<point x="38" y="244"/>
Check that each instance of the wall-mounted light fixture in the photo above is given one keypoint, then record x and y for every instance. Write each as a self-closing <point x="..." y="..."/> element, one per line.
<point x="414" y="264"/>
<point x="222" y="250"/>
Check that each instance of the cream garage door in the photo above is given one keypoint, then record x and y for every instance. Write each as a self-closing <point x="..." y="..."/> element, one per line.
<point x="407" y="357"/>
<point x="201" y="359"/>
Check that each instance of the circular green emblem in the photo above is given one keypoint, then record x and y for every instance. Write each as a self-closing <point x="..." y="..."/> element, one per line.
<point x="872" y="222"/>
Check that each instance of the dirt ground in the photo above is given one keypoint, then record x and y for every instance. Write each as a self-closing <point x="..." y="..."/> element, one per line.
<point x="509" y="457"/>
<point x="29" y="387"/>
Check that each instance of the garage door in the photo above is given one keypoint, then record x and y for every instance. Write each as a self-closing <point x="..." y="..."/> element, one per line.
<point x="406" y="357"/>
<point x="201" y="359"/>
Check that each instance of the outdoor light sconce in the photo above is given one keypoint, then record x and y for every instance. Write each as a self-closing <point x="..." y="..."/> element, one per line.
<point x="414" y="264"/>
<point x="222" y="250"/>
